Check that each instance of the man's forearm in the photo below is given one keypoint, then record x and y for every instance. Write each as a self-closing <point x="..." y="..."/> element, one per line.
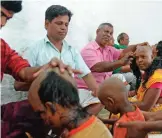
<point x="21" y="86"/>
<point x="152" y="126"/>
<point x="130" y="48"/>
<point x="106" y="66"/>
<point x="26" y="74"/>
<point x="91" y="82"/>
<point x="125" y="69"/>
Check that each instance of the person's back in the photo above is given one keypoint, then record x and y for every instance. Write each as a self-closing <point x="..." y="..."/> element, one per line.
<point x="127" y="117"/>
<point x="92" y="128"/>
<point x="114" y="96"/>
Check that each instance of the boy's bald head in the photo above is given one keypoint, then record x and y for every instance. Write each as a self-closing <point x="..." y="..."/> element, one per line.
<point x="111" y="87"/>
<point x="33" y="97"/>
<point x="112" y="92"/>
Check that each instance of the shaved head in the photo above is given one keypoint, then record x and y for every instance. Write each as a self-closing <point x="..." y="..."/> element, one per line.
<point x="144" y="57"/>
<point x="33" y="97"/>
<point x="144" y="49"/>
<point x="112" y="87"/>
<point x="113" y="94"/>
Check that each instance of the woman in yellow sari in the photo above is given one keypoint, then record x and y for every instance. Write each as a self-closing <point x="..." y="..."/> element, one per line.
<point x="149" y="84"/>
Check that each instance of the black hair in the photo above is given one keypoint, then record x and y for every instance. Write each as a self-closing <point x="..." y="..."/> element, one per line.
<point x="55" y="11"/>
<point x="156" y="64"/>
<point x="12" y="5"/>
<point x="136" y="72"/>
<point x="56" y="89"/>
<point x="159" y="49"/>
<point x="103" y="24"/>
<point x="120" y="37"/>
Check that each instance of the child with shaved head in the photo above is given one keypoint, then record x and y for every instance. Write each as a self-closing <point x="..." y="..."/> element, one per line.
<point x="114" y="95"/>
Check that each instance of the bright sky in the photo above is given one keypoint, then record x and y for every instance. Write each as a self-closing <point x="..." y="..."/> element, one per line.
<point x="140" y="19"/>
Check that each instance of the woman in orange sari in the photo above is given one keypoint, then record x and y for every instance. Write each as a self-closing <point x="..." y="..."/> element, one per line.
<point x="149" y="84"/>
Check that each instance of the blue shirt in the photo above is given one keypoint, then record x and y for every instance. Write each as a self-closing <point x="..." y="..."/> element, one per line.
<point x="43" y="51"/>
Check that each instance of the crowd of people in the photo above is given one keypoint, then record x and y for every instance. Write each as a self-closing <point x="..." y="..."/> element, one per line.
<point x="68" y="90"/>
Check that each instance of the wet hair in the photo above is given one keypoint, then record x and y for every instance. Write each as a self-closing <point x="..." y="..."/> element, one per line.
<point x="103" y="24"/>
<point x="55" y="11"/>
<point x="136" y="72"/>
<point x="156" y="64"/>
<point x="120" y="37"/>
<point x="12" y="5"/>
<point x="56" y="89"/>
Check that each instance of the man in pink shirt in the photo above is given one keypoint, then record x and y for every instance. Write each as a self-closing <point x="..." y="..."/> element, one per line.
<point x="102" y="60"/>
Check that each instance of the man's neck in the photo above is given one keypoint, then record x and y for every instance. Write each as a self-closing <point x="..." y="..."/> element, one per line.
<point x="57" y="43"/>
<point x="127" y="107"/>
<point x="75" y="120"/>
<point x="101" y="46"/>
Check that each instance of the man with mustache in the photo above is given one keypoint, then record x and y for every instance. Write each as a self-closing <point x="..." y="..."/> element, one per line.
<point x="57" y="19"/>
<point x="102" y="59"/>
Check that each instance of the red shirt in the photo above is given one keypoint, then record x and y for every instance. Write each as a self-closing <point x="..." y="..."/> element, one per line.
<point x="127" y="117"/>
<point x="11" y="62"/>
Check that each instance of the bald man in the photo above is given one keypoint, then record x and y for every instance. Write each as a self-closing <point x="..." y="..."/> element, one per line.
<point x="114" y="95"/>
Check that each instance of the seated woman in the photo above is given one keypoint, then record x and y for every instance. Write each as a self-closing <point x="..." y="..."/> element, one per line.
<point x="149" y="83"/>
<point x="62" y="109"/>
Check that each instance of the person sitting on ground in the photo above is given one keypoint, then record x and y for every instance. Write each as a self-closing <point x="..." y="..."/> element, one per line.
<point x="62" y="109"/>
<point x="141" y="129"/>
<point x="149" y="85"/>
<point x="114" y="96"/>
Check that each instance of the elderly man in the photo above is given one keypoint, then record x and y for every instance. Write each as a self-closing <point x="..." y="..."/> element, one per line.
<point x="102" y="60"/>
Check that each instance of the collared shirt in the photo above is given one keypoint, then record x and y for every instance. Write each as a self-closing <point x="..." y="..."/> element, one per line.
<point x="11" y="62"/>
<point x="43" y="51"/>
<point x="120" y="46"/>
<point x="92" y="53"/>
<point x="92" y="128"/>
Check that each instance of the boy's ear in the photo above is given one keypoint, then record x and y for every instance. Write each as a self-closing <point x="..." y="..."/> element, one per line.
<point x="110" y="101"/>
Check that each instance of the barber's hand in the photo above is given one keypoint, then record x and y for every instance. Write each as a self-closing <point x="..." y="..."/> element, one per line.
<point x="94" y="92"/>
<point x="127" y="59"/>
<point x="134" y="129"/>
<point x="57" y="63"/>
<point x="143" y="44"/>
